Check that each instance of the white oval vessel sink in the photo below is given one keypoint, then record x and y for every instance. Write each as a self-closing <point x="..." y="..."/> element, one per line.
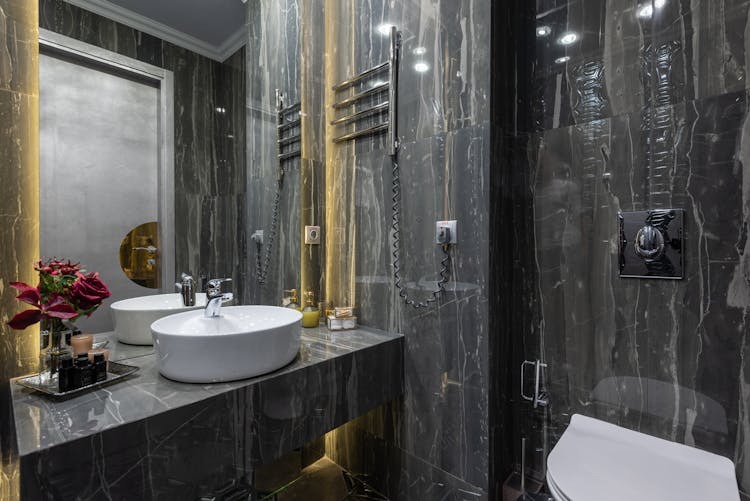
<point x="133" y="317"/>
<point x="243" y="342"/>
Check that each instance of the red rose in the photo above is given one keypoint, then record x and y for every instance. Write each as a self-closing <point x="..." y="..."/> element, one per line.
<point x="88" y="291"/>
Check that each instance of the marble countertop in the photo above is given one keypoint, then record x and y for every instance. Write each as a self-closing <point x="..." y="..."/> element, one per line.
<point x="42" y="423"/>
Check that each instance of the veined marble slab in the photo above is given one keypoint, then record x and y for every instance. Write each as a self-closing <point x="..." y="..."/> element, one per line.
<point x="149" y="436"/>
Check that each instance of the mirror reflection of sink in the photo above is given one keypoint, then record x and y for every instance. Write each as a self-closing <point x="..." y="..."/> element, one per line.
<point x="245" y="341"/>
<point x="133" y="317"/>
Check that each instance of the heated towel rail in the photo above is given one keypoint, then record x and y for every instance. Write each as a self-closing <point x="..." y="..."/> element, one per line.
<point x="288" y="129"/>
<point x="378" y="89"/>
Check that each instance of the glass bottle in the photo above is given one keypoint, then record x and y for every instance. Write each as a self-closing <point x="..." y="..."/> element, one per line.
<point x="310" y="314"/>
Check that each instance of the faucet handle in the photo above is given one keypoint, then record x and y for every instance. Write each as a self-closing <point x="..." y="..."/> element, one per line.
<point x="216" y="282"/>
<point x="213" y="288"/>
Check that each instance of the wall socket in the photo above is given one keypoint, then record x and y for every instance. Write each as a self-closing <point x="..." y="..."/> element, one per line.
<point x="445" y="229"/>
<point x="312" y="235"/>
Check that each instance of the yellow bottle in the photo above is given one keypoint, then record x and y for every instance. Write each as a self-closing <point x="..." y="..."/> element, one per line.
<point x="310" y="314"/>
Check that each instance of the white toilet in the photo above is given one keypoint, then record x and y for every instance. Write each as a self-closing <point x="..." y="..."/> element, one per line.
<point x="595" y="461"/>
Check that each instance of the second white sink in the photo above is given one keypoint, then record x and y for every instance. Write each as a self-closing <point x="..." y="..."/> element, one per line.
<point x="243" y="342"/>
<point x="133" y="317"/>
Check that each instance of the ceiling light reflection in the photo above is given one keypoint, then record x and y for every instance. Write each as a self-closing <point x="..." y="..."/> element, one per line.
<point x="385" y="29"/>
<point x="421" y="67"/>
<point x="646" y="11"/>
<point x="568" y="38"/>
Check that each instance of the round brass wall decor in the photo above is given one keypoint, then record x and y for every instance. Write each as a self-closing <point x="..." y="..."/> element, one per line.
<point x="139" y="255"/>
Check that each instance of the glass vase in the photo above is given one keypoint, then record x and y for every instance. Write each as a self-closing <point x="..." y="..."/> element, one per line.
<point x="52" y="347"/>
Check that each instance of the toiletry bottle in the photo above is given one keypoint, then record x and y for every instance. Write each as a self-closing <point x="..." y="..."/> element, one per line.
<point x="293" y="302"/>
<point x="76" y="372"/>
<point x="65" y="374"/>
<point x="82" y="373"/>
<point x="310" y="314"/>
<point x="100" y="368"/>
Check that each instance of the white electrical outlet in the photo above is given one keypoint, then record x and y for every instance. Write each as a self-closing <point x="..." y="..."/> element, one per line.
<point x="445" y="232"/>
<point x="312" y="235"/>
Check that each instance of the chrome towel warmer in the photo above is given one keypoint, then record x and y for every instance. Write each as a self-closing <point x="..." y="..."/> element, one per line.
<point x="288" y="129"/>
<point x="378" y="89"/>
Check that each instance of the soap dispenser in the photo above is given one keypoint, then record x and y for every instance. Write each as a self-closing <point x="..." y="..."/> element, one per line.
<point x="310" y="314"/>
<point x="290" y="299"/>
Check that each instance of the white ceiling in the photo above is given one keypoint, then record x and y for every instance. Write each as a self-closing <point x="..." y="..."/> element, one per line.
<point x="213" y="28"/>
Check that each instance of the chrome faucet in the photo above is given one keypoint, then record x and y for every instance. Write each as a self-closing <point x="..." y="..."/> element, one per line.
<point x="187" y="289"/>
<point x="215" y="297"/>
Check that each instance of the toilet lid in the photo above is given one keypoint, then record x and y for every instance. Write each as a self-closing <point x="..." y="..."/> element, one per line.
<point x="595" y="460"/>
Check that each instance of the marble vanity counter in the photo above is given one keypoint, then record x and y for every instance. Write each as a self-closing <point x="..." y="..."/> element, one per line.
<point x="125" y="436"/>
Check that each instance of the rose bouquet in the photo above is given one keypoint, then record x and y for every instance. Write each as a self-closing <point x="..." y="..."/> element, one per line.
<point x="65" y="292"/>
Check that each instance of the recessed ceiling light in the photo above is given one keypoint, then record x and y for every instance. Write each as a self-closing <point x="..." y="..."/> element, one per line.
<point x="543" y="31"/>
<point x="421" y="67"/>
<point x="561" y="60"/>
<point x="568" y="38"/>
<point x="385" y="29"/>
<point x="419" y="51"/>
<point x="646" y="10"/>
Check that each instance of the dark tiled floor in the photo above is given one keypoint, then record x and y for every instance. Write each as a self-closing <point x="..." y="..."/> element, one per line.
<point x="323" y="480"/>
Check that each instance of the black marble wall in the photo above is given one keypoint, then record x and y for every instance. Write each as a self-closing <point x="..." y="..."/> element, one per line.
<point x="434" y="442"/>
<point x="647" y="108"/>
<point x="436" y="438"/>
<point x="209" y="117"/>
<point x="273" y="63"/>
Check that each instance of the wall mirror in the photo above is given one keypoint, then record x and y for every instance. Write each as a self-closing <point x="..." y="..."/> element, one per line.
<point x="175" y="117"/>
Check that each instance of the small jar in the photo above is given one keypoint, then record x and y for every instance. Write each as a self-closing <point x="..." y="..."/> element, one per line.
<point x="82" y="343"/>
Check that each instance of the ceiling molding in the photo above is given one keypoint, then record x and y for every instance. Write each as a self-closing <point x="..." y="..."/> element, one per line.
<point x="233" y="43"/>
<point x="167" y="33"/>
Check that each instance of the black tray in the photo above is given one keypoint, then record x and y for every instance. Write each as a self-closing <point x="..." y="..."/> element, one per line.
<point x="115" y="372"/>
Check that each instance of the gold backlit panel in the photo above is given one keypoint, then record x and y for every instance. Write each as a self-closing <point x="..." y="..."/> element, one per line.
<point x="339" y="160"/>
<point x="19" y="194"/>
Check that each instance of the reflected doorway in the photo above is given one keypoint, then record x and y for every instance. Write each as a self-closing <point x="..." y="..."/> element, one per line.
<point x="106" y="161"/>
